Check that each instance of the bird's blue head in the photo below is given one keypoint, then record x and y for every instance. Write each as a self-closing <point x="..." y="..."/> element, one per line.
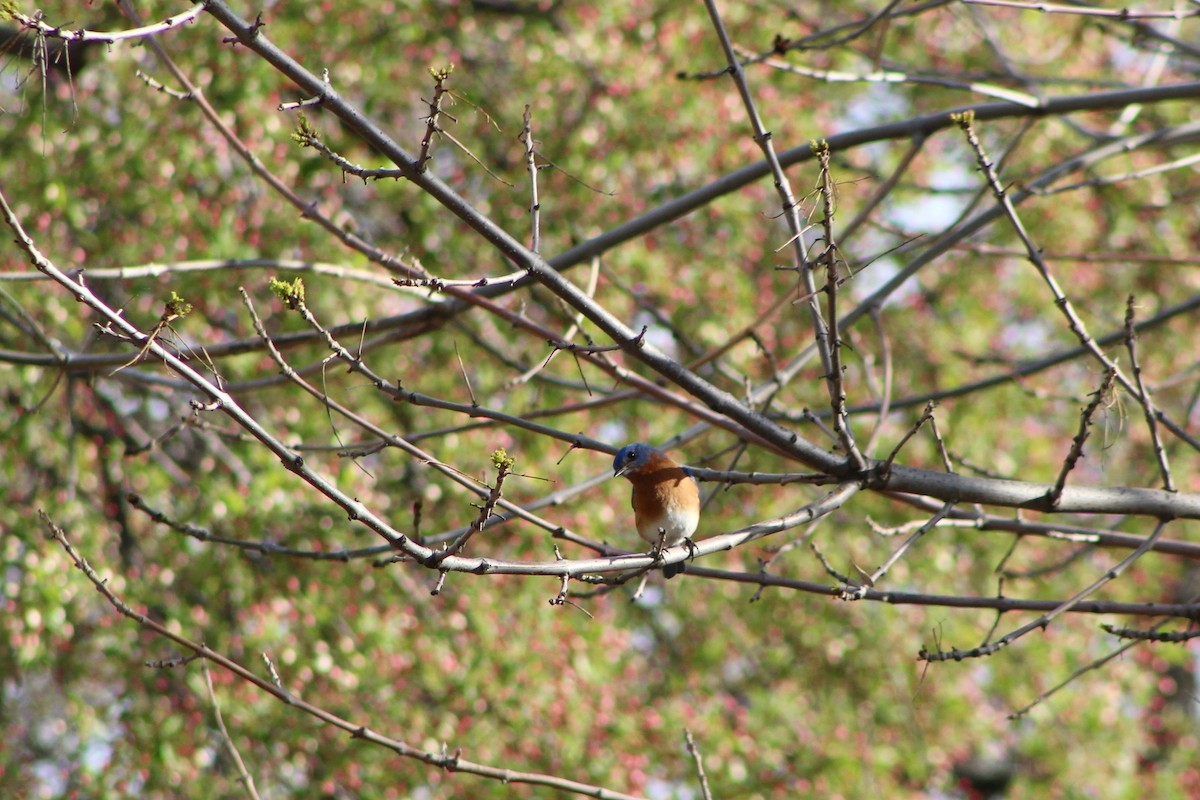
<point x="631" y="456"/>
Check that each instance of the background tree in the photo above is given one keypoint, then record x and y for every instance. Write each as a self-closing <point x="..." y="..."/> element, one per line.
<point x="320" y="331"/>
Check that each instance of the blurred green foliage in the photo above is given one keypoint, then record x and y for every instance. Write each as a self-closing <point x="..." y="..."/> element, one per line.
<point x="787" y="694"/>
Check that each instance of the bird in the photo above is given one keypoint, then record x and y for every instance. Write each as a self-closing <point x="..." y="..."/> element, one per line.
<point x="665" y="500"/>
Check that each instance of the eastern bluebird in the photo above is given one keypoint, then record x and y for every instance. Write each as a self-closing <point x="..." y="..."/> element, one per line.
<point x="666" y="498"/>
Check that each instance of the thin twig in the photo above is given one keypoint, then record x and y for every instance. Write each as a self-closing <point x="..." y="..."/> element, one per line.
<point x="790" y="207"/>
<point x="835" y="379"/>
<point x="1094" y="665"/>
<point x="452" y="762"/>
<point x="705" y="792"/>
<point x="1170" y="637"/>
<point x="503" y="464"/>
<point x="535" y="205"/>
<point x="965" y="121"/>
<point x="1044" y="621"/>
<point x="926" y="416"/>
<point x="1090" y="11"/>
<point x="243" y="773"/>
<point x="107" y="37"/>
<point x="1099" y="397"/>
<point x="462" y="368"/>
<point x="1143" y="396"/>
<point x="895" y="76"/>
<point x="873" y="579"/>
<point x="432" y="125"/>
<point x="884" y="393"/>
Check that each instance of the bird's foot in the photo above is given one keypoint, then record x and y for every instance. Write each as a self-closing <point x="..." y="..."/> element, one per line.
<point x="656" y="550"/>
<point x="693" y="550"/>
<point x="671" y="570"/>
